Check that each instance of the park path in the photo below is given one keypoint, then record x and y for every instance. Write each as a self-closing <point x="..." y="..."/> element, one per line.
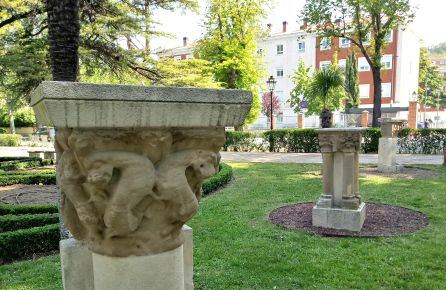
<point x="267" y="157"/>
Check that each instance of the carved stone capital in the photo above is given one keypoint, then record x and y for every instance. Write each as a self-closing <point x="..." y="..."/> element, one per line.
<point x="339" y="140"/>
<point x="129" y="191"/>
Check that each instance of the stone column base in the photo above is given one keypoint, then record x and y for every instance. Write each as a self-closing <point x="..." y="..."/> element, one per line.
<point x="390" y="168"/>
<point x="338" y="218"/>
<point x="77" y="265"/>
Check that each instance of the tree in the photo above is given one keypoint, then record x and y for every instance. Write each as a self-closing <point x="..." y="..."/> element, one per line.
<point x="354" y="20"/>
<point x="301" y="78"/>
<point x="351" y="82"/>
<point x="439" y="49"/>
<point x="431" y="89"/>
<point x="266" y="105"/>
<point x="230" y="45"/>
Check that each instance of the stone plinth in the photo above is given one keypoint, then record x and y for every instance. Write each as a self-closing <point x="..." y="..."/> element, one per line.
<point x="340" y="205"/>
<point x="388" y="145"/>
<point x="130" y="164"/>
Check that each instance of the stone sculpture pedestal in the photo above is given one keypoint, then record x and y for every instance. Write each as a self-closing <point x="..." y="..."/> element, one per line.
<point x="340" y="206"/>
<point x="130" y="165"/>
<point x="388" y="145"/>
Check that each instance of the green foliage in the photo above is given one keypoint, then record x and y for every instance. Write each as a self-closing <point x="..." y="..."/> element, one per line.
<point x="239" y="141"/>
<point x="223" y="177"/>
<point x="352" y="82"/>
<point x="439" y="49"/>
<point x="370" y="140"/>
<point x="301" y="78"/>
<point x="23" y="117"/>
<point x="186" y="73"/>
<point x="28" y="177"/>
<point x="232" y="28"/>
<point x="12" y="209"/>
<point x="26" y="221"/>
<point x="422" y="141"/>
<point x="24" y="163"/>
<point x="26" y="242"/>
<point x="292" y="140"/>
<point x="430" y="77"/>
<point x="12" y="140"/>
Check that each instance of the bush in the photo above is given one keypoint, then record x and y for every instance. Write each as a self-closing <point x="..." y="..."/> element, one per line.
<point x="370" y="140"/>
<point x="240" y="141"/>
<point x="222" y="178"/>
<point x="24" y="243"/>
<point x="421" y="141"/>
<point x="25" y="221"/>
<point x="9" y="209"/>
<point x="28" y="177"/>
<point x="10" y="140"/>
<point x="22" y="118"/>
<point x="3" y="131"/>
<point x="24" y="163"/>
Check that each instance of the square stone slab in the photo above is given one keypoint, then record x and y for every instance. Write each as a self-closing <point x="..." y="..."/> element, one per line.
<point x="338" y="218"/>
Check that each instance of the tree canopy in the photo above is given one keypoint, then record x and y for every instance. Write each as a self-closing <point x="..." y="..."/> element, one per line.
<point x="431" y="91"/>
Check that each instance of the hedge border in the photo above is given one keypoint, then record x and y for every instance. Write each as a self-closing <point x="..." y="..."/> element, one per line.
<point x="24" y="163"/>
<point x="223" y="177"/>
<point x="16" y="209"/>
<point x="25" y="221"/>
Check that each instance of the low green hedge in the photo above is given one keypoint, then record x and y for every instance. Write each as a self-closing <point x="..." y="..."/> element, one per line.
<point x="370" y="140"/>
<point x="240" y="141"/>
<point x="28" y="177"/>
<point x="29" y="162"/>
<point x="3" y="159"/>
<point x="223" y="177"/>
<point x="292" y="140"/>
<point x="25" y="221"/>
<point x="422" y="141"/>
<point x="12" y="209"/>
<point x="12" y="140"/>
<point x="26" y="242"/>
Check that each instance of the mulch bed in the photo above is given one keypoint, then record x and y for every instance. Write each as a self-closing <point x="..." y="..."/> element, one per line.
<point x="382" y="220"/>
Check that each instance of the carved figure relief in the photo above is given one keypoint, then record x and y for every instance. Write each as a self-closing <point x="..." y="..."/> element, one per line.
<point x="129" y="192"/>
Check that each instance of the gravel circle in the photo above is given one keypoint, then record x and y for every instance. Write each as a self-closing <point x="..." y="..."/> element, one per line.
<point x="28" y="194"/>
<point x="382" y="220"/>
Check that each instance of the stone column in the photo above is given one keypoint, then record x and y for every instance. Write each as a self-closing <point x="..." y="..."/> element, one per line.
<point x="340" y="206"/>
<point x="413" y="114"/>
<point x="300" y="120"/>
<point x="388" y="145"/>
<point x="365" y="119"/>
<point x="130" y="164"/>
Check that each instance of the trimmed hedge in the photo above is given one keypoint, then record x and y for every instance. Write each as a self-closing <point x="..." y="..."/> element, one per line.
<point x="24" y="243"/>
<point x="29" y="162"/>
<point x="422" y="141"/>
<point x="25" y="221"/>
<point x="12" y="209"/>
<point x="28" y="177"/>
<point x="240" y="141"/>
<point x="370" y="140"/>
<point x="292" y="140"/>
<point x="223" y="177"/>
<point x="12" y="140"/>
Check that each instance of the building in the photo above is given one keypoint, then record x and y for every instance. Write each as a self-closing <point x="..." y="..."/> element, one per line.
<point x="440" y="62"/>
<point x="178" y="53"/>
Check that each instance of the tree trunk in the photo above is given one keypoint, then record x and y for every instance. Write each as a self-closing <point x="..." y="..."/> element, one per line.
<point x="63" y="30"/>
<point x="147" y="26"/>
<point x="11" y="120"/>
<point x="377" y="83"/>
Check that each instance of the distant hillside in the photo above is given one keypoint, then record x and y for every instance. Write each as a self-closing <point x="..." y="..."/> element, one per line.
<point x="439" y="49"/>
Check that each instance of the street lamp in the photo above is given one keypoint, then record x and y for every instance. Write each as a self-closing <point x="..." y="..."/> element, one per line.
<point x="271" y="83"/>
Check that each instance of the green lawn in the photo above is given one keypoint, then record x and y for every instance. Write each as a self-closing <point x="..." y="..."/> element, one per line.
<point x="236" y="247"/>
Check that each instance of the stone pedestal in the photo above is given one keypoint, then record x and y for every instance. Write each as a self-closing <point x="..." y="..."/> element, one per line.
<point x="130" y="164"/>
<point x="340" y="206"/>
<point x="388" y="145"/>
<point x="76" y="265"/>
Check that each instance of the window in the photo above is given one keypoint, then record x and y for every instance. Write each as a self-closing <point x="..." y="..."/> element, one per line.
<point x="177" y="58"/>
<point x="363" y="65"/>
<point x="344" y="42"/>
<point x="301" y="46"/>
<point x="280" y="117"/>
<point x="386" y="90"/>
<point x="280" y="49"/>
<point x="260" y="51"/>
<point x="279" y="72"/>
<point x="367" y="38"/>
<point x="342" y="63"/>
<point x="389" y="36"/>
<point x="325" y="43"/>
<point x="386" y="61"/>
<point x="324" y="64"/>
<point x="364" y="91"/>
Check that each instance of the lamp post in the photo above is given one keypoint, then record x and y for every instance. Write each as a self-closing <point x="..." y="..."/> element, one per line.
<point x="271" y="83"/>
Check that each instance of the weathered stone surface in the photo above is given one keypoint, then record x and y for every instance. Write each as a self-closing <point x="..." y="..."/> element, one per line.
<point x="81" y="105"/>
<point x="76" y="265"/>
<point x="129" y="192"/>
<point x="388" y="145"/>
<point x="340" y="201"/>
<point x="188" y="255"/>
<point x="390" y="127"/>
<point x="158" y="272"/>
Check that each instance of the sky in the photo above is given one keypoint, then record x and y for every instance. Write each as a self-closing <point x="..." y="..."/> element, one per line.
<point x="429" y="24"/>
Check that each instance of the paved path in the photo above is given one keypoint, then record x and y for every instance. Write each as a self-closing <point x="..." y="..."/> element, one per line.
<point x="262" y="157"/>
<point x="20" y="151"/>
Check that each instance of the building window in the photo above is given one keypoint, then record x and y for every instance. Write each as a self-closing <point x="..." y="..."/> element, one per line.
<point x="301" y="46"/>
<point x="280" y="49"/>
<point x="280" y="117"/>
<point x="260" y="51"/>
<point x="389" y="36"/>
<point x="363" y="65"/>
<point x="177" y="58"/>
<point x="279" y="72"/>
<point x="324" y="64"/>
<point x="364" y="91"/>
<point x="367" y="38"/>
<point x="386" y="90"/>
<point x="325" y="43"/>
<point x="386" y="61"/>
<point x="342" y="63"/>
<point x="344" y="42"/>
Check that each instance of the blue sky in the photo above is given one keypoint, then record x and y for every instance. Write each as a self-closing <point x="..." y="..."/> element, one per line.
<point x="429" y="23"/>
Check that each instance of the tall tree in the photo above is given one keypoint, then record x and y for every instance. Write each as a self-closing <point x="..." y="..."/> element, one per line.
<point x="301" y="78"/>
<point x="351" y="82"/>
<point x="431" y="90"/>
<point x="354" y="20"/>
<point x="230" y="44"/>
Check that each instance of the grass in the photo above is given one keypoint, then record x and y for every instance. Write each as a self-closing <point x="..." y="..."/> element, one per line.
<point x="235" y="247"/>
